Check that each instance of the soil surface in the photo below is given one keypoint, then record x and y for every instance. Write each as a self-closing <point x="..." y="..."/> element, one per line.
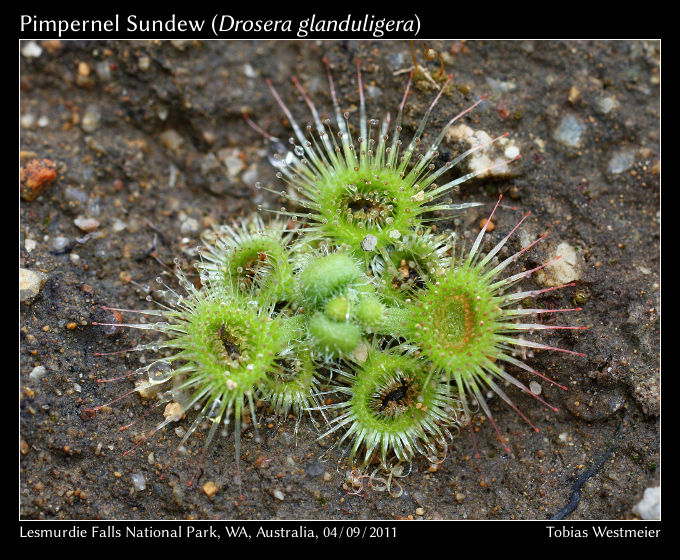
<point x="150" y="148"/>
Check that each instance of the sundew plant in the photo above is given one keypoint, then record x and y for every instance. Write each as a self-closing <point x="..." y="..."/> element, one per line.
<point x="348" y="303"/>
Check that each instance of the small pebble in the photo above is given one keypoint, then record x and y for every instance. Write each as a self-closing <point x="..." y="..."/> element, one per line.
<point x="35" y="176"/>
<point x="27" y="120"/>
<point x="30" y="282"/>
<point x="190" y="225"/>
<point x="649" y="507"/>
<point x="278" y="495"/>
<point x="118" y="225"/>
<point x="360" y="353"/>
<point x="232" y="160"/>
<point x="75" y="194"/>
<point x="210" y="489"/>
<point x="606" y="104"/>
<point x="511" y="152"/>
<point x="493" y="160"/>
<point x="103" y="70"/>
<point x="249" y="176"/>
<point x="569" y="131"/>
<point x="179" y="44"/>
<point x="621" y="161"/>
<point x="563" y="270"/>
<point x="373" y="92"/>
<point x="314" y="468"/>
<point x="37" y="372"/>
<point x="172" y="140"/>
<point x="86" y="224"/>
<point x="59" y="243"/>
<point x="173" y="412"/>
<point x="396" y="60"/>
<point x="144" y="63"/>
<point x="31" y="49"/>
<point x="574" y="94"/>
<point x="139" y="480"/>
<point x="326" y="476"/>
<point x="535" y="388"/>
<point x="91" y="118"/>
<point x="249" y="71"/>
<point x="172" y="176"/>
<point x="369" y="243"/>
<point x="499" y="86"/>
<point x="490" y="226"/>
<point x="30" y="244"/>
<point x="83" y="69"/>
<point x="83" y="78"/>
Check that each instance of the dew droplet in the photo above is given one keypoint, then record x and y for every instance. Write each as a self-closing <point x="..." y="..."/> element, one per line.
<point x="159" y="371"/>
